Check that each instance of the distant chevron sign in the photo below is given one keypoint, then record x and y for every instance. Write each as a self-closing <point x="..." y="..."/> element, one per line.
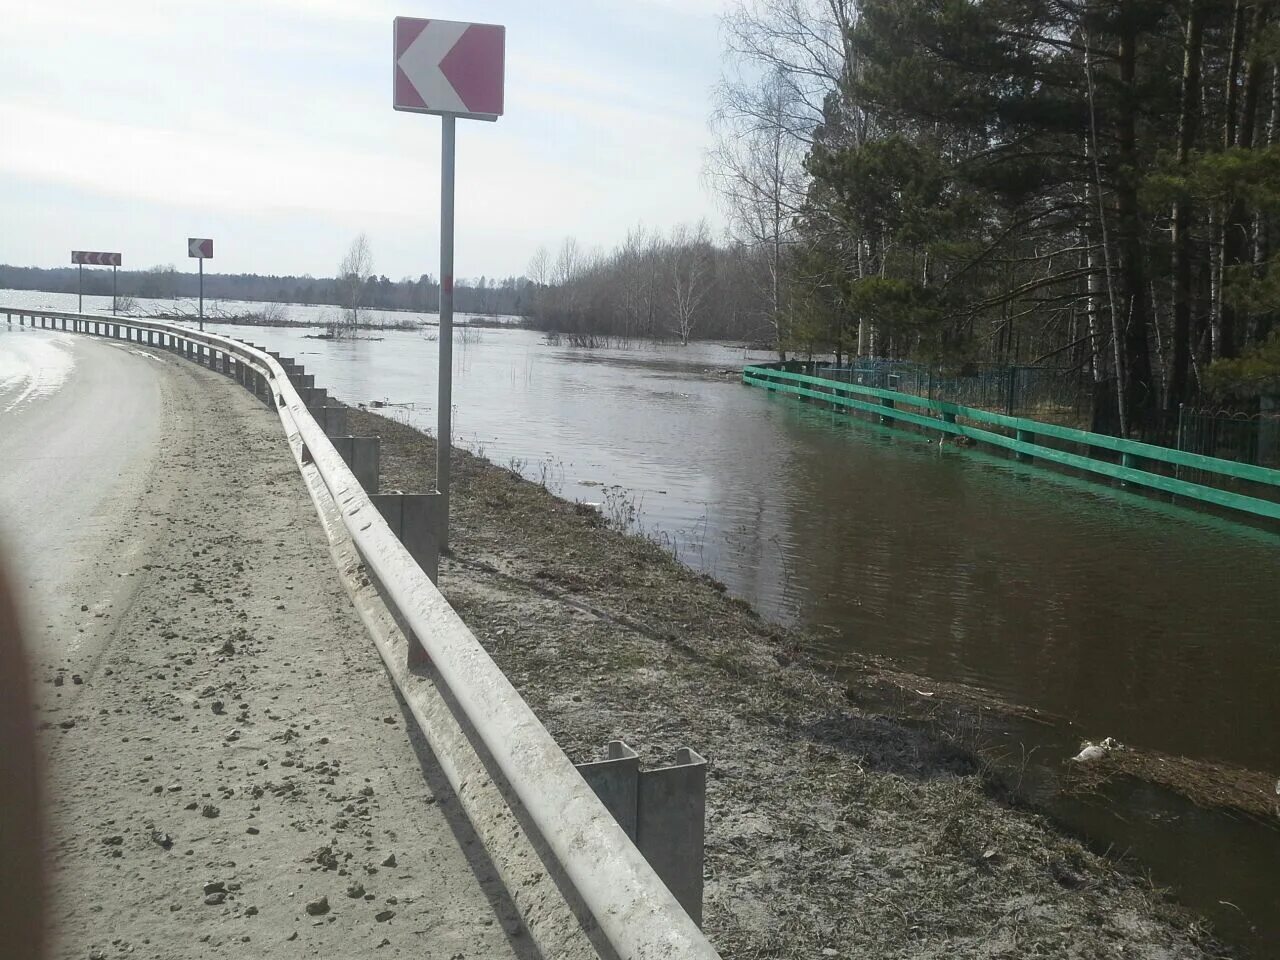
<point x="448" y="67"/>
<point x="201" y="249"/>
<point x="94" y="258"/>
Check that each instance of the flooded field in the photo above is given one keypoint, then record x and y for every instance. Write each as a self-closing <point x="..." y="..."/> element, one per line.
<point x="1112" y="613"/>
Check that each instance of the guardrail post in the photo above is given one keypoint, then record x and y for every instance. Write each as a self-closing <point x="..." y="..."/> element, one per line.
<point x="332" y="419"/>
<point x="616" y="781"/>
<point x="887" y="403"/>
<point x="304" y="383"/>
<point x="415" y="520"/>
<point x="361" y="455"/>
<point x="1023" y="437"/>
<point x="662" y="811"/>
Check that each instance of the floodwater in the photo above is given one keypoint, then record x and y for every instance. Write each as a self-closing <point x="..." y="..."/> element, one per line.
<point x="1112" y="613"/>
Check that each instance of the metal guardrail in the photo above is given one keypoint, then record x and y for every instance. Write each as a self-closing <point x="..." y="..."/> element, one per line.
<point x="637" y="915"/>
<point x="941" y="416"/>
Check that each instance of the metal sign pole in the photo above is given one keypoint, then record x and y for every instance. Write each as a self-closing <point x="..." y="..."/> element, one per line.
<point x="113" y="290"/>
<point x="80" y="287"/>
<point x="444" y="431"/>
<point x="453" y="69"/>
<point x="202" y="294"/>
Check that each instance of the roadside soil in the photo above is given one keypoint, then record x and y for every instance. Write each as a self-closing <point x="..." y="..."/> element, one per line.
<point x="231" y="773"/>
<point x="831" y="831"/>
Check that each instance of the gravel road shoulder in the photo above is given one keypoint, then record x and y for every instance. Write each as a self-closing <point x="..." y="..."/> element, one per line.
<point x="232" y="774"/>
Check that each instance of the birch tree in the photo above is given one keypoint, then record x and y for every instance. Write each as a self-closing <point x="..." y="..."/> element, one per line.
<point x="353" y="277"/>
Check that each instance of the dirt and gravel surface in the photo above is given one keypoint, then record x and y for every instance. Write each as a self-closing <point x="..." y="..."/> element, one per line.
<point x="831" y="831"/>
<point x="228" y="771"/>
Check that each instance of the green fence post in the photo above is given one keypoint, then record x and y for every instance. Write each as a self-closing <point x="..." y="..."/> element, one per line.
<point x="1126" y="460"/>
<point x="947" y="417"/>
<point x="1177" y="469"/>
<point x="1023" y="437"/>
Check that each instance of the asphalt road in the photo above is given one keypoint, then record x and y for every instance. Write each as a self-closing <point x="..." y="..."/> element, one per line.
<point x="228" y="770"/>
<point x="80" y="424"/>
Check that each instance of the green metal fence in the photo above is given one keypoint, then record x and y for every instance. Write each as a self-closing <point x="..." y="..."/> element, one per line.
<point x="1250" y="438"/>
<point x="1058" y="395"/>
<point x="1223" y="482"/>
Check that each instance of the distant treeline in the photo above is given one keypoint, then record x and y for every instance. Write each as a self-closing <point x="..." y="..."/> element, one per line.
<point x="512" y="295"/>
<point x="678" y="286"/>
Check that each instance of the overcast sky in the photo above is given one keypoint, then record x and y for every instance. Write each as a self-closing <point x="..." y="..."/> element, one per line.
<point x="130" y="125"/>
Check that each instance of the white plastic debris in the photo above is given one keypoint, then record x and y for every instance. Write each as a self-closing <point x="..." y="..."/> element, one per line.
<point x="1096" y="751"/>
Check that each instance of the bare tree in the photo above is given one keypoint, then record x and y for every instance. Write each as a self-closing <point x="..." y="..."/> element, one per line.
<point x="540" y="267"/>
<point x="353" y="277"/>
<point x="788" y="58"/>
<point x="564" y="274"/>
<point x="757" y="166"/>
<point x="796" y="51"/>
<point x="568" y="262"/>
<point x="539" y="273"/>
<point x="689" y="262"/>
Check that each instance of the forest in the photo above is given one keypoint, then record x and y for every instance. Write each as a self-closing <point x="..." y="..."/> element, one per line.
<point x="364" y="289"/>
<point x="1091" y="185"/>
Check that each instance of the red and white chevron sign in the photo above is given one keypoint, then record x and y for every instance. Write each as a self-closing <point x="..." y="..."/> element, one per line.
<point x="448" y="67"/>
<point x="94" y="258"/>
<point x="200" y="249"/>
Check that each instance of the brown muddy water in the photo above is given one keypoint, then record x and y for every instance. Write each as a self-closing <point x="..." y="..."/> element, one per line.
<point x="1110" y="612"/>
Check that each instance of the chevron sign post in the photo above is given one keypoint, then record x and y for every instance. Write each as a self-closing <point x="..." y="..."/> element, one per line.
<point x="454" y="70"/>
<point x="95" y="258"/>
<point x="202" y="250"/>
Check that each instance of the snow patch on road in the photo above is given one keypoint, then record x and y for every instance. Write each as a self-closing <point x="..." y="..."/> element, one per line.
<point x="32" y="365"/>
